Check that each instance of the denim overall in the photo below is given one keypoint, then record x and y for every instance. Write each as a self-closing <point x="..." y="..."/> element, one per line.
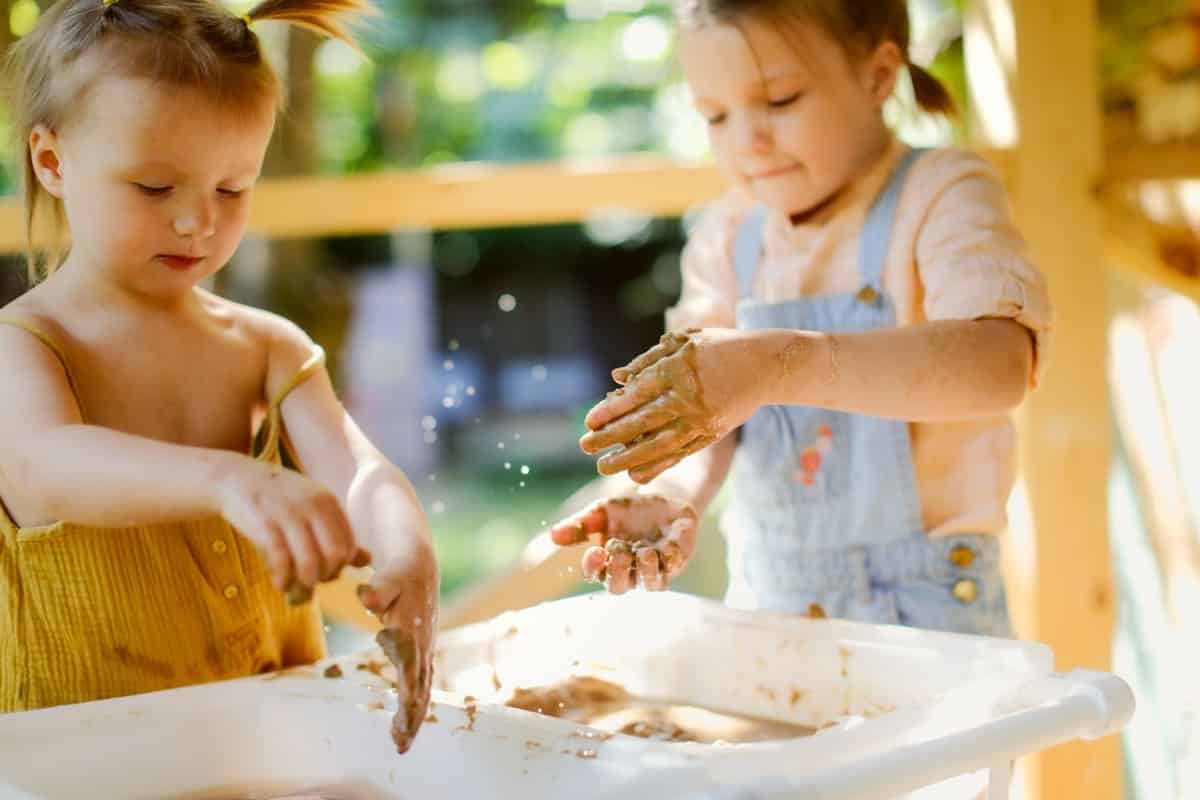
<point x="825" y="509"/>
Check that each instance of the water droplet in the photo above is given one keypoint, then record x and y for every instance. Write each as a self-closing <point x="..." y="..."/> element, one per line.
<point x="447" y="365"/>
<point x="507" y="302"/>
<point x="432" y="476"/>
<point x="499" y="445"/>
<point x="448" y="402"/>
<point x="438" y="506"/>
<point x="453" y="345"/>
<point x="539" y="373"/>
<point x="470" y="391"/>
<point x="508" y="465"/>
<point x="429" y="423"/>
<point x="516" y="437"/>
<point x="524" y="469"/>
<point x="430" y="437"/>
<point x="522" y="484"/>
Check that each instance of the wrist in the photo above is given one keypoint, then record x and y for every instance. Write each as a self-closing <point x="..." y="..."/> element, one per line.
<point x="225" y="472"/>
<point x="787" y="363"/>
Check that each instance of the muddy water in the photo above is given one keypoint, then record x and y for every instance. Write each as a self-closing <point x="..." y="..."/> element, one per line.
<point x="609" y="707"/>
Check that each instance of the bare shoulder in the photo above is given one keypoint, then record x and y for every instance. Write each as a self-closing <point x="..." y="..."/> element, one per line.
<point x="40" y="395"/>
<point x="285" y="345"/>
<point x="30" y="315"/>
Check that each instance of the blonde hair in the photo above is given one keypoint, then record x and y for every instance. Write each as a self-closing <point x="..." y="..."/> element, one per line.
<point x="192" y="43"/>
<point x="859" y="25"/>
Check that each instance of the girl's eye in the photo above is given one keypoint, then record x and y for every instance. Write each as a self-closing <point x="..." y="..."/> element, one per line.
<point x="716" y="119"/>
<point x="231" y="192"/>
<point x="785" y="101"/>
<point x="152" y="191"/>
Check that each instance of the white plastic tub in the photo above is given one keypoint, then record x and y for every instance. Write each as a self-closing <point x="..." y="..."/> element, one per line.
<point x="904" y="709"/>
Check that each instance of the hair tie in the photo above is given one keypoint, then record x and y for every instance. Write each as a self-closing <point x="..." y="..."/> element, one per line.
<point x="245" y="17"/>
<point x="108" y="3"/>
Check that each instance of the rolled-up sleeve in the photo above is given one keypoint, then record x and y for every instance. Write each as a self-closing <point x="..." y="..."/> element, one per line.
<point x="972" y="261"/>
<point x="709" y="294"/>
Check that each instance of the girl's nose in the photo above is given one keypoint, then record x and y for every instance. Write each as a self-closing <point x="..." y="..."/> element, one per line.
<point x="754" y="135"/>
<point x="198" y="220"/>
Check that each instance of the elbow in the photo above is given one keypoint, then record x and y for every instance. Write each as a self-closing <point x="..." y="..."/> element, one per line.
<point x="30" y="498"/>
<point x="1012" y="395"/>
<point x="1014" y="379"/>
<point x="1010" y="368"/>
<point x="375" y="475"/>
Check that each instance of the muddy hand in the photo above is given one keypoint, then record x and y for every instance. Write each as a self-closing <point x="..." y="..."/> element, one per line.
<point x="404" y="595"/>
<point x="642" y="540"/>
<point x="687" y="392"/>
<point x="414" y="685"/>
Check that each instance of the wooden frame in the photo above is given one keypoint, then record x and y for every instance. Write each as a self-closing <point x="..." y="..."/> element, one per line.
<point x="464" y="196"/>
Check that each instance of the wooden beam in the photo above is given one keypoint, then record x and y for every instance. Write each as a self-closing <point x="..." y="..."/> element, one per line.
<point x="1132" y="244"/>
<point x="496" y="195"/>
<point x="457" y="196"/>
<point x="463" y="196"/>
<point x="1139" y="162"/>
<point x="1064" y="583"/>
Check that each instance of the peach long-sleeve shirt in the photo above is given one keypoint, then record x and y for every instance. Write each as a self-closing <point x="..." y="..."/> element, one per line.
<point x="954" y="255"/>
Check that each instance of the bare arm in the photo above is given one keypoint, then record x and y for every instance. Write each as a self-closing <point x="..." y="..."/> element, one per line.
<point x="98" y="477"/>
<point x="382" y="504"/>
<point x="924" y="373"/>
<point x="387" y="518"/>
<point x="694" y="388"/>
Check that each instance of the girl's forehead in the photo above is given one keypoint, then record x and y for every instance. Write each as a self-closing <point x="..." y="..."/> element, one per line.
<point x="757" y="50"/>
<point x="133" y="115"/>
<point x="140" y="104"/>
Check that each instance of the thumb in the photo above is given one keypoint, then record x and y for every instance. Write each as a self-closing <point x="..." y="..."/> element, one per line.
<point x="371" y="599"/>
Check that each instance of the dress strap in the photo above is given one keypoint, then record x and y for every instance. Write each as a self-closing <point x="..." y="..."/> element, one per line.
<point x="314" y="363"/>
<point x="273" y="433"/>
<point x="53" y="347"/>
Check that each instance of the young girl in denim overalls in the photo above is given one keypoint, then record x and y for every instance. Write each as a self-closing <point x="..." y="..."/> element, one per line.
<point x="857" y="320"/>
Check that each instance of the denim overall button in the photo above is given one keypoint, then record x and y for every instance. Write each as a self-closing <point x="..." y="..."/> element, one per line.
<point x="962" y="556"/>
<point x="867" y="295"/>
<point x="967" y="591"/>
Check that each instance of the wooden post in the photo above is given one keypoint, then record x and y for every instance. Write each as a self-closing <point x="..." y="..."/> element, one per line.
<point x="1046" y="56"/>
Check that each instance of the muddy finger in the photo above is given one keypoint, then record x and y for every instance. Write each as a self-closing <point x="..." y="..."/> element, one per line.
<point x="620" y="566"/>
<point x="649" y="574"/>
<point x="576" y="529"/>
<point x="595" y="560"/>
<point x="658" y="446"/>
<point x="650" y="417"/>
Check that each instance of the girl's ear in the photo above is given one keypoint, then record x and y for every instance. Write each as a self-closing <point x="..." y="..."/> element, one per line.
<point x="881" y="70"/>
<point x="44" y="155"/>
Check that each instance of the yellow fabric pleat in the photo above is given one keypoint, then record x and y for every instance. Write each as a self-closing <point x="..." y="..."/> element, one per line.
<point x="89" y="613"/>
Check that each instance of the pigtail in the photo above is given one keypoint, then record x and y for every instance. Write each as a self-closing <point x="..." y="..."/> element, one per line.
<point x="932" y="95"/>
<point x="323" y="17"/>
